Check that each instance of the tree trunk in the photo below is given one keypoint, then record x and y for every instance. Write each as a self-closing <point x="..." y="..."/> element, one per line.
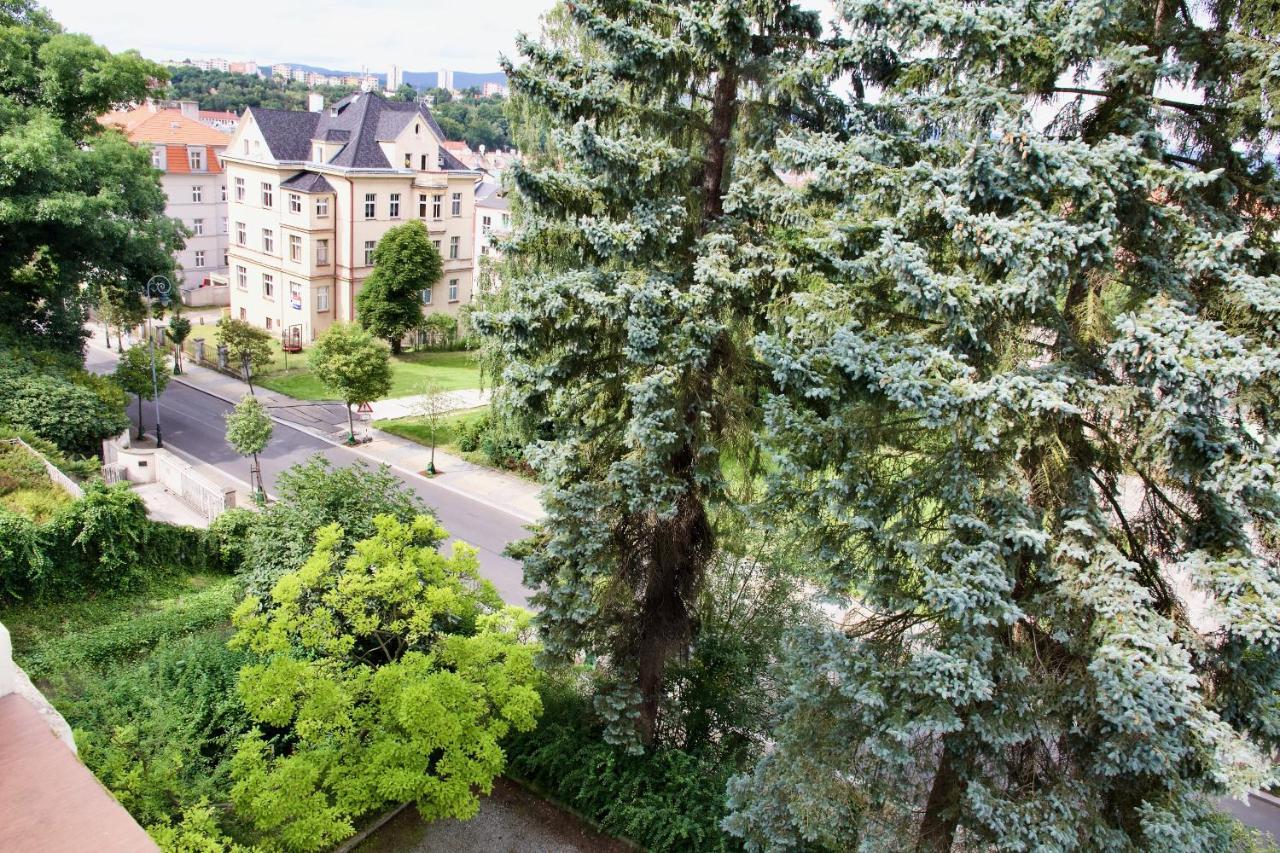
<point x="351" y="425"/>
<point x="672" y="561"/>
<point x="396" y="346"/>
<point x="106" y="332"/>
<point x="941" y="812"/>
<point x="724" y="110"/>
<point x="177" y="358"/>
<point x="255" y="479"/>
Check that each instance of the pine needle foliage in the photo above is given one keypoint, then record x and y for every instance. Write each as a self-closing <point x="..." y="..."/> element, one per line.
<point x="1022" y="410"/>
<point x="640" y="275"/>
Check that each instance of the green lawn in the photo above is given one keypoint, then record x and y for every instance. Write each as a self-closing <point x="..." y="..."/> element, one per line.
<point x="452" y="371"/>
<point x="416" y="429"/>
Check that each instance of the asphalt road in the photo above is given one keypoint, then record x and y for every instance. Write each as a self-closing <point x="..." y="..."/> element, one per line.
<point x="1258" y="814"/>
<point x="193" y="426"/>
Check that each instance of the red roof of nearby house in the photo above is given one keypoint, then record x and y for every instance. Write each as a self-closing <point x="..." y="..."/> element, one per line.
<point x="219" y="115"/>
<point x="177" y="160"/>
<point x="143" y="124"/>
<point x="452" y="145"/>
<point x="49" y="800"/>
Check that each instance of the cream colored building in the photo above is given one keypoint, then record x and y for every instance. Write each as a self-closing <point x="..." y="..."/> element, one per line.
<point x="311" y="193"/>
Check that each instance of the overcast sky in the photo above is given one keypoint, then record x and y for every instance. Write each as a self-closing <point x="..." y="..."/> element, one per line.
<point x="417" y="35"/>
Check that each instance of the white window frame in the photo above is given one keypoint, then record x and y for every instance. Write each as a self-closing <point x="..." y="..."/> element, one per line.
<point x="268" y="241"/>
<point x="239" y="189"/>
<point x="199" y="259"/>
<point x="455" y="207"/>
<point x="393" y="206"/>
<point x="295" y="248"/>
<point x="242" y="277"/>
<point x="437" y="206"/>
<point x="453" y="290"/>
<point x="454" y="244"/>
<point x="426" y="295"/>
<point x="370" y="205"/>
<point x="197" y="194"/>
<point x="322" y="298"/>
<point x="322" y="253"/>
<point x="322" y="207"/>
<point x="268" y="195"/>
<point x="369" y="246"/>
<point x="295" y="203"/>
<point x="268" y="286"/>
<point x="197" y="227"/>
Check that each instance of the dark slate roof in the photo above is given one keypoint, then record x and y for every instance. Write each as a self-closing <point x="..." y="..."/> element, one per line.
<point x="288" y="132"/>
<point x="359" y="120"/>
<point x="308" y="182"/>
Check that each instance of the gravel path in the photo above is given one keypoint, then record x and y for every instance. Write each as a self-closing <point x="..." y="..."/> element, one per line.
<point x="511" y="820"/>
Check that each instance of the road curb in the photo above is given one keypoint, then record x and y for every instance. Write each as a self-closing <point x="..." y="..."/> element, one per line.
<point x="1266" y="798"/>
<point x="314" y="433"/>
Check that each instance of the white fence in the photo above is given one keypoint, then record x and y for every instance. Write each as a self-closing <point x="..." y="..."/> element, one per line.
<point x="59" y="479"/>
<point x="196" y="491"/>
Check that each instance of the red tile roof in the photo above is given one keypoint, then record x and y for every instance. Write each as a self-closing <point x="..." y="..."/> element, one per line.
<point x="142" y="124"/>
<point x="220" y="115"/>
<point x="177" y="160"/>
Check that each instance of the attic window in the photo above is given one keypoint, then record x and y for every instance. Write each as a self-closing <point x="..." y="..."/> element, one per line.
<point x="333" y="111"/>
<point x="417" y="129"/>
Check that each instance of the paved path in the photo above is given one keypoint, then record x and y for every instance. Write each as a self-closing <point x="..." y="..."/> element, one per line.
<point x="1262" y="813"/>
<point x="484" y="509"/>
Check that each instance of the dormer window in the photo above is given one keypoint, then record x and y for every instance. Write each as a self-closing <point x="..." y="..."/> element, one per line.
<point x="195" y="158"/>
<point x="333" y="112"/>
<point x="157" y="157"/>
<point x="319" y="154"/>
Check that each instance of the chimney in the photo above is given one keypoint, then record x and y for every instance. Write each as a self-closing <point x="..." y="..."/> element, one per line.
<point x="190" y="109"/>
<point x="315" y="102"/>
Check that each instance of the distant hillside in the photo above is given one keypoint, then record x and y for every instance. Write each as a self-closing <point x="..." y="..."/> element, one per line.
<point x="421" y="79"/>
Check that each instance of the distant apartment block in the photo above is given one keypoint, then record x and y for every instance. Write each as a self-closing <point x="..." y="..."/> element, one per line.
<point x="444" y="79"/>
<point x="491" y="90"/>
<point x="311" y="193"/>
<point x="395" y="78"/>
<point x="281" y="70"/>
<point x="249" y="67"/>
<point x="188" y="153"/>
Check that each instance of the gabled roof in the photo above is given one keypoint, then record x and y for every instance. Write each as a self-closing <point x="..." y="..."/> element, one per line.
<point x="308" y="182"/>
<point x="359" y="121"/>
<point x="169" y="127"/>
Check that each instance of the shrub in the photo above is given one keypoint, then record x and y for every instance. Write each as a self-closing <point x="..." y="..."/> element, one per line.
<point x="71" y="409"/>
<point x="664" y="799"/>
<point x="132" y="637"/>
<point x="103" y="541"/>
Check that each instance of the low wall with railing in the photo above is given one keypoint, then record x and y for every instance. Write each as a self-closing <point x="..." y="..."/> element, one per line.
<point x="59" y="479"/>
<point x="204" y="297"/>
<point x="125" y="462"/>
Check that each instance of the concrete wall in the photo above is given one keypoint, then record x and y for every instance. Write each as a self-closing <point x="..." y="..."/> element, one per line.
<point x="14" y="680"/>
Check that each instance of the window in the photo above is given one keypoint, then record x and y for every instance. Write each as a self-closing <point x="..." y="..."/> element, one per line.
<point x="246" y="150"/>
<point x="295" y="248"/>
<point x="368" y="252"/>
<point x="370" y="205"/>
<point x="197" y="227"/>
<point x="268" y="199"/>
<point x="436" y="201"/>
<point x="295" y="203"/>
<point x="268" y="285"/>
<point x="457" y="204"/>
<point x="423" y="163"/>
<point x="453" y="290"/>
<point x="199" y="258"/>
<point x="506" y="220"/>
<point x="422" y="205"/>
<point x="393" y="207"/>
<point x="268" y="324"/>
<point x="242" y="238"/>
<point x="223" y="229"/>
<point x="322" y="207"/>
<point x="242" y="278"/>
<point x="319" y="154"/>
<point x="240" y="189"/>
<point x="157" y="157"/>
<point x="426" y="296"/>
<point x="322" y="298"/>
<point x="453" y="247"/>
<point x="484" y="250"/>
<point x="408" y="161"/>
<point x="322" y="253"/>
<point x="417" y="129"/>
<point x="268" y="240"/>
<point x="486" y="224"/>
<point x="224" y="192"/>
<point x="225" y="257"/>
<point x="244" y="313"/>
<point x="195" y="158"/>
<point x="197" y="194"/>
<point x="436" y="243"/>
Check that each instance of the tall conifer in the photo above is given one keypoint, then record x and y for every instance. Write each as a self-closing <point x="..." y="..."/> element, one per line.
<point x="1024" y="409"/>
<point x="625" y="334"/>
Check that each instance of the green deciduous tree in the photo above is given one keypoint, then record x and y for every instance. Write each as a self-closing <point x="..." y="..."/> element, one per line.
<point x="435" y="404"/>
<point x="624" y="331"/>
<point x="248" y="347"/>
<point x="138" y="374"/>
<point x="179" y="329"/>
<point x="405" y="263"/>
<point x="249" y="428"/>
<point x="1023" y="411"/>
<point x="78" y="204"/>
<point x="352" y="365"/>
<point x="60" y="402"/>
<point x="396" y="673"/>
<point x="314" y="494"/>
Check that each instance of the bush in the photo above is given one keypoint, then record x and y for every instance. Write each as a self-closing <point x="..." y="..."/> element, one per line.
<point x="132" y="637"/>
<point x="70" y="408"/>
<point x="103" y="541"/>
<point x="664" y="799"/>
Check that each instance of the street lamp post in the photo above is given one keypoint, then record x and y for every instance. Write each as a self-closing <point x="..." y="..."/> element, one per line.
<point x="157" y="287"/>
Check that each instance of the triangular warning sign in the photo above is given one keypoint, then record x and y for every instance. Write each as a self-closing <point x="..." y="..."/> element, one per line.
<point x="364" y="409"/>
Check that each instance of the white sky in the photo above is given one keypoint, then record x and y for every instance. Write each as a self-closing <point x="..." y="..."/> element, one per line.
<point x="417" y="35"/>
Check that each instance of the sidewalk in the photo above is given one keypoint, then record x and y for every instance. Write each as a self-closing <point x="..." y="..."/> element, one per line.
<point x="328" y="422"/>
<point x="403" y="407"/>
